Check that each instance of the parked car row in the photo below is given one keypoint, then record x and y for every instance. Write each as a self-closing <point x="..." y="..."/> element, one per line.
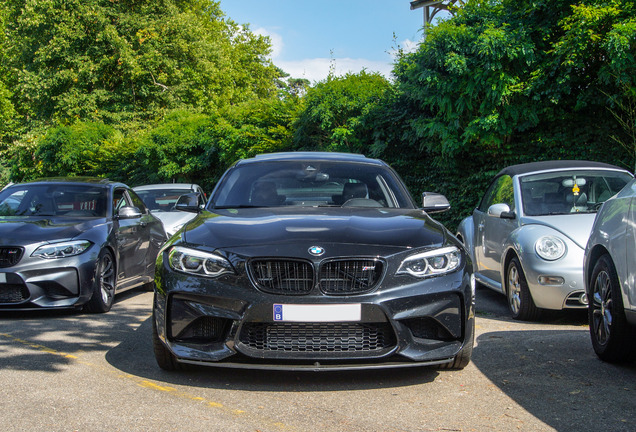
<point x="311" y="261"/>
<point x="536" y="238"/>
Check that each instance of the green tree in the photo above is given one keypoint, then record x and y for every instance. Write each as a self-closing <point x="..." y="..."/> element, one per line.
<point x="115" y="61"/>
<point x="332" y="109"/>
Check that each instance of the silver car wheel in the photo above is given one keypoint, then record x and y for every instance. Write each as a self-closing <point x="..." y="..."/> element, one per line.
<point x="602" y="308"/>
<point x="514" y="290"/>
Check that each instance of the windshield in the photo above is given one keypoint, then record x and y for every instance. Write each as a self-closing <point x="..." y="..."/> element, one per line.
<point x="161" y="199"/>
<point x="53" y="200"/>
<point x="572" y="191"/>
<point x="310" y="183"/>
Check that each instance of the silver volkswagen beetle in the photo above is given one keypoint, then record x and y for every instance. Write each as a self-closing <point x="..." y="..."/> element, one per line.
<point x="529" y="232"/>
<point x="610" y="273"/>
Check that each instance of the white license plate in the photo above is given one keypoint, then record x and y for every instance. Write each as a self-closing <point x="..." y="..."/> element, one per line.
<point x="317" y="313"/>
<point x="3" y="278"/>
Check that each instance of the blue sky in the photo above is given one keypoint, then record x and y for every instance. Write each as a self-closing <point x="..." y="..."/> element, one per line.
<point x="309" y="36"/>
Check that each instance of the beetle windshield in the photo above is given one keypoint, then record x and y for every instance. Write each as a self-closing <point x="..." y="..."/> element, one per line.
<point x="310" y="183"/>
<point x="70" y="200"/>
<point x="571" y="191"/>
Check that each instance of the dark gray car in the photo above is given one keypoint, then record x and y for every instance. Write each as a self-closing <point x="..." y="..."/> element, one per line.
<point x="68" y="243"/>
<point x="313" y="261"/>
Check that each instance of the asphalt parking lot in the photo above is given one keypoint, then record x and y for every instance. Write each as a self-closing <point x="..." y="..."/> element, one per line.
<point x="63" y="371"/>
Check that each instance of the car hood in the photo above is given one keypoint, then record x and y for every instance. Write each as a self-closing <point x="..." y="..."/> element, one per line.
<point x="22" y="231"/>
<point x="394" y="229"/>
<point x="173" y="219"/>
<point x="576" y="226"/>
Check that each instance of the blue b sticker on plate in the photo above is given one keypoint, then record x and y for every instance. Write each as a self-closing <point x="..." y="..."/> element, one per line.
<point x="278" y="312"/>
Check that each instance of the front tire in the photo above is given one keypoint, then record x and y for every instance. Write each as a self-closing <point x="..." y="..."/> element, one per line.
<point x="612" y="336"/>
<point x="462" y="359"/>
<point x="520" y="301"/>
<point x="165" y="359"/>
<point x="105" y="284"/>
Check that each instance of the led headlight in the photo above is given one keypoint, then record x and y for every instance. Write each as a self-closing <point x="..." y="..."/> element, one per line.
<point x="62" y="249"/>
<point x="432" y="263"/>
<point x="197" y="262"/>
<point x="550" y="248"/>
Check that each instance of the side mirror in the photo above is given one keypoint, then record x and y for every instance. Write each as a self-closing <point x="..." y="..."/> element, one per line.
<point x="434" y="203"/>
<point x="128" y="213"/>
<point x="188" y="203"/>
<point x="501" y="211"/>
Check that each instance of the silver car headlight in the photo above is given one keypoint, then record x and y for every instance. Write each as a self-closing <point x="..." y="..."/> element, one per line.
<point x="197" y="262"/>
<point x="61" y="249"/>
<point x="550" y="248"/>
<point x="432" y="263"/>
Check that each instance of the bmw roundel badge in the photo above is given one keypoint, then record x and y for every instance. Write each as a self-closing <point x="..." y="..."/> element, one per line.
<point x="316" y="250"/>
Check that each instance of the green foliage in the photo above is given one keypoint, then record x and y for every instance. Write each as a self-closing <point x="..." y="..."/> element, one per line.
<point x="117" y="61"/>
<point x="332" y="110"/>
<point x="507" y="82"/>
<point x="83" y="149"/>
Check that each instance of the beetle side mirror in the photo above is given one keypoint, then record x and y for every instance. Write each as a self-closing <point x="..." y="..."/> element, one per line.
<point x="501" y="211"/>
<point x="434" y="203"/>
<point x="188" y="203"/>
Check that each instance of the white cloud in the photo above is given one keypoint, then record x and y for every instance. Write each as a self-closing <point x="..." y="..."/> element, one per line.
<point x="275" y="39"/>
<point x="318" y="69"/>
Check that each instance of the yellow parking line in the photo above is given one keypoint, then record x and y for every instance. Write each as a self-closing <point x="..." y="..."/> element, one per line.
<point x="145" y="383"/>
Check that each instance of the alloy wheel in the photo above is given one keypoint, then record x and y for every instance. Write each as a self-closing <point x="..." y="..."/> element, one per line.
<point x="602" y="308"/>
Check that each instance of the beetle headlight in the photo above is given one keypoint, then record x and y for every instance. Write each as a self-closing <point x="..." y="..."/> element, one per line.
<point x="61" y="249"/>
<point x="550" y="248"/>
<point x="432" y="263"/>
<point x="197" y="262"/>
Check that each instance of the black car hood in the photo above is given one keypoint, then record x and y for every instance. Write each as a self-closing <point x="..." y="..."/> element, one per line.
<point x="253" y="227"/>
<point x="22" y="231"/>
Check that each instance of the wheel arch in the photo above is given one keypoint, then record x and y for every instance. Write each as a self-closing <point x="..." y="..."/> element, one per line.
<point x="592" y="257"/>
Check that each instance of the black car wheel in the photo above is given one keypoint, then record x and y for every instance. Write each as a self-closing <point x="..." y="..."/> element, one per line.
<point x="461" y="360"/>
<point x="105" y="284"/>
<point x="612" y="336"/>
<point x="520" y="301"/>
<point x="165" y="359"/>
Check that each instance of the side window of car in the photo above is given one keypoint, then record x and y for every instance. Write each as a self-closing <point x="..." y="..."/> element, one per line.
<point x="137" y="202"/>
<point x="499" y="192"/>
<point x="119" y="200"/>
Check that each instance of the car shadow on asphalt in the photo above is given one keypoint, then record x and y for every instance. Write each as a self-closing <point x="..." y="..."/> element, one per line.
<point x="134" y="355"/>
<point x="50" y="340"/>
<point x="556" y="376"/>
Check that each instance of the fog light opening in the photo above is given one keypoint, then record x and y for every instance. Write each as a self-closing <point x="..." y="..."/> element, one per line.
<point x="583" y="299"/>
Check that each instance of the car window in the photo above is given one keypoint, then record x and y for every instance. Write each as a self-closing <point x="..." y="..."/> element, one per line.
<point x="499" y="192"/>
<point x="570" y="191"/>
<point x="161" y="199"/>
<point x="137" y="202"/>
<point x="61" y="199"/>
<point x="119" y="200"/>
<point x="319" y="183"/>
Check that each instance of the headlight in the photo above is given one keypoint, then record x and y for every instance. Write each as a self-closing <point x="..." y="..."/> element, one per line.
<point x="550" y="248"/>
<point x="62" y="249"/>
<point x="432" y="263"/>
<point x="198" y="262"/>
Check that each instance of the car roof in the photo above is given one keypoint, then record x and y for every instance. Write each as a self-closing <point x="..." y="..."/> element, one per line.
<point x="526" y="168"/>
<point x="95" y="181"/>
<point x="311" y="156"/>
<point x="188" y="186"/>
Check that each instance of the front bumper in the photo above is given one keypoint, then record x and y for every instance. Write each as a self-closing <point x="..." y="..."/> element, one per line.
<point x="556" y="285"/>
<point x="227" y="322"/>
<point x="36" y="283"/>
